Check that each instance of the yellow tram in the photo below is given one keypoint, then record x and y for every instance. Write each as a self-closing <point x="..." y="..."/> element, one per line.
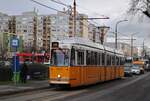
<point x="77" y="62"/>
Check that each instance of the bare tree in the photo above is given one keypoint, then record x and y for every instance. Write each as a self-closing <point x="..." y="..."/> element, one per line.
<point x="140" y="6"/>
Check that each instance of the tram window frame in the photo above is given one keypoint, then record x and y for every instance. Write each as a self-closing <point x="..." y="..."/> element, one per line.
<point x="92" y="58"/>
<point x="103" y="59"/>
<point x="117" y="58"/>
<point x="72" y="58"/>
<point x="85" y="58"/>
<point x="118" y="61"/>
<point x="121" y="61"/>
<point x="98" y="59"/>
<point x="80" y="57"/>
<point x="88" y="55"/>
<point x="113" y="60"/>
<point x="95" y="58"/>
<point x="108" y="60"/>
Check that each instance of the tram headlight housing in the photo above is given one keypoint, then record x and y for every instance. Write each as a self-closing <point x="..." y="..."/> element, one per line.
<point x="58" y="76"/>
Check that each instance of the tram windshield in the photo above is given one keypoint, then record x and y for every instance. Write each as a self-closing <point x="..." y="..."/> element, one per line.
<point x="60" y="57"/>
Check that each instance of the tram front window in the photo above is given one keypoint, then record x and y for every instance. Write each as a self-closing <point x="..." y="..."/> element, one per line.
<point x="60" y="57"/>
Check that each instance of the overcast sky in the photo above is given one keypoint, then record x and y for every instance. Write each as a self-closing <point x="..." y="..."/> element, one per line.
<point x="115" y="9"/>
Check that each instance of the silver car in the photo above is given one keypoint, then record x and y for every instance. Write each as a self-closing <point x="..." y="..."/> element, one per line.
<point x="136" y="69"/>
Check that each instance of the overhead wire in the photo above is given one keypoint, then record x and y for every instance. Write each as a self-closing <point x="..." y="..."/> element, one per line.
<point x="56" y="9"/>
<point x="61" y="3"/>
<point x="47" y="6"/>
<point x="90" y="10"/>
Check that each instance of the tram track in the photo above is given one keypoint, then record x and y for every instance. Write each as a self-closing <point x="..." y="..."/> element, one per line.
<point x="26" y="93"/>
<point x="42" y="95"/>
<point x="55" y="94"/>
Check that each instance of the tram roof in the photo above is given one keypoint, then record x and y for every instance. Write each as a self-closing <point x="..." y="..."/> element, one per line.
<point x="86" y="42"/>
<point x="81" y="41"/>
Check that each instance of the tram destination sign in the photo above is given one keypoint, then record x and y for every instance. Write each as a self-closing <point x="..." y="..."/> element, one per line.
<point x="55" y="45"/>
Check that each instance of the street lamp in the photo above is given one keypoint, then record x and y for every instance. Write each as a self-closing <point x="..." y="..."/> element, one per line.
<point x="117" y="32"/>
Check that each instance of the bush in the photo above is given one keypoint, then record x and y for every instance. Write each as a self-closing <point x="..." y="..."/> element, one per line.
<point x="6" y="73"/>
<point x="38" y="71"/>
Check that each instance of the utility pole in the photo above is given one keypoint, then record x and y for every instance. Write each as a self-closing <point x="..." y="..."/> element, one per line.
<point x="132" y="46"/>
<point x="103" y="31"/>
<point x="74" y="19"/>
<point x="34" y="49"/>
<point x="143" y="50"/>
<point x="34" y="34"/>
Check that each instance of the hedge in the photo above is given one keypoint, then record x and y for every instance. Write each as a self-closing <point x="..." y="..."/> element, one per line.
<point x="36" y="72"/>
<point x="5" y="74"/>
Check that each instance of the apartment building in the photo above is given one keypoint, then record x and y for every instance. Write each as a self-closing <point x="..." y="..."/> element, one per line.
<point x="62" y="26"/>
<point x="37" y="30"/>
<point x="4" y="20"/>
<point x="46" y="33"/>
<point x="30" y="25"/>
<point x="82" y="26"/>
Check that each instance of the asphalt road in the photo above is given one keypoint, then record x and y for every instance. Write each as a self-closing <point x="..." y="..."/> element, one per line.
<point x="136" y="88"/>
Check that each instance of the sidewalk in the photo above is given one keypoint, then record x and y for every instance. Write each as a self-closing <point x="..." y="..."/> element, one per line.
<point x="29" y="86"/>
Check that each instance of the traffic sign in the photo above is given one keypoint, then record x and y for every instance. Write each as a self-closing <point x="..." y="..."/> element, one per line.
<point x="15" y="42"/>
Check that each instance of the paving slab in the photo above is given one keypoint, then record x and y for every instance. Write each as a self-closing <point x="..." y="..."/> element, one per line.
<point x="18" y="88"/>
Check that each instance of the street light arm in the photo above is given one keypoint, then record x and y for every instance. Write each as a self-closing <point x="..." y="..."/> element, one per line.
<point x="116" y="31"/>
<point x="119" y="22"/>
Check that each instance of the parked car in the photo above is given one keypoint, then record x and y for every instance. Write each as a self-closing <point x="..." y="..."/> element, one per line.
<point x="127" y="69"/>
<point x="136" y="69"/>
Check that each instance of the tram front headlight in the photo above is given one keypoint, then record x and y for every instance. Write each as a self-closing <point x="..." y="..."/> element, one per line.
<point x="58" y="76"/>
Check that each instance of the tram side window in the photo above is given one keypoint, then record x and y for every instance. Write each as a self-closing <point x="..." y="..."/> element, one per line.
<point x="108" y="60"/>
<point x="98" y="59"/>
<point x="91" y="58"/>
<point x="122" y="61"/>
<point x="88" y="55"/>
<point x="72" y="62"/>
<point x="113" y="60"/>
<point x="95" y="58"/>
<point x="80" y="58"/>
<point x="103" y="58"/>
<point x="117" y="60"/>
